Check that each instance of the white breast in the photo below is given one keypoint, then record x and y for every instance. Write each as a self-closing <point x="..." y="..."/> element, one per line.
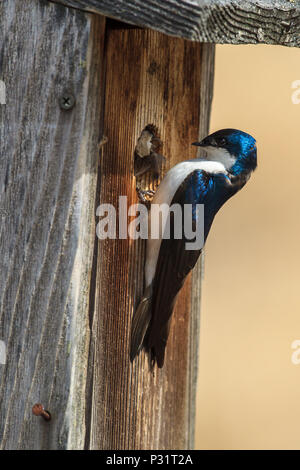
<point x="165" y="194"/>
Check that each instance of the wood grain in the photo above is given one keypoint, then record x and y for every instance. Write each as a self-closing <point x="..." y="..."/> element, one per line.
<point x="48" y="174"/>
<point x="150" y="78"/>
<point x="216" y="21"/>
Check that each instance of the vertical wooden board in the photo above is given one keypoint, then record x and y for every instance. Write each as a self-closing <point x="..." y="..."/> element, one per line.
<point x="150" y="78"/>
<point x="206" y="95"/>
<point x="48" y="173"/>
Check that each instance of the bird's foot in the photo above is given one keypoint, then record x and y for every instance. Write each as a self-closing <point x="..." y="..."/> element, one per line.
<point x="145" y="196"/>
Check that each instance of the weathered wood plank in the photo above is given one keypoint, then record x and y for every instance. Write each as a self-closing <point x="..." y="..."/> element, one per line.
<point x="206" y="95"/>
<point x="48" y="173"/>
<point x="150" y="78"/>
<point x="216" y="21"/>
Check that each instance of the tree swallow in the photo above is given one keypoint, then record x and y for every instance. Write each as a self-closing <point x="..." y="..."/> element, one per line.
<point x="211" y="181"/>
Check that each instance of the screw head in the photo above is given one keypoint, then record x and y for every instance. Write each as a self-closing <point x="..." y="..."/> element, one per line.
<point x="67" y="101"/>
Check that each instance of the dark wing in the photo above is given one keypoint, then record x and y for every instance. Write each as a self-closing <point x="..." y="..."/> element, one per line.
<point x="175" y="262"/>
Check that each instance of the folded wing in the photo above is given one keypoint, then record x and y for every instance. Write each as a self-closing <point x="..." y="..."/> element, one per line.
<point x="175" y="261"/>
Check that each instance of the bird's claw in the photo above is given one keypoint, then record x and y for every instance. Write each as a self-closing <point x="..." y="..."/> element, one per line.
<point x="145" y="196"/>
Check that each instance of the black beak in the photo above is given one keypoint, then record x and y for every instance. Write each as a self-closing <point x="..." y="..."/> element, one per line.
<point x="203" y="143"/>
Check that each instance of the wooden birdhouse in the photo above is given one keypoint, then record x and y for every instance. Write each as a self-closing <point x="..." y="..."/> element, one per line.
<point x="80" y="82"/>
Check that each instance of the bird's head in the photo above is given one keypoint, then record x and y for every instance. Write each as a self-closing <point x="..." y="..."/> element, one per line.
<point x="235" y="149"/>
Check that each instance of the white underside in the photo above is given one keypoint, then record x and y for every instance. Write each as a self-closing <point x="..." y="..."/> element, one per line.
<point x="165" y="194"/>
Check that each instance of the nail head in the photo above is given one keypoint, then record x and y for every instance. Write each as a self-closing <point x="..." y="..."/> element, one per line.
<point x="39" y="410"/>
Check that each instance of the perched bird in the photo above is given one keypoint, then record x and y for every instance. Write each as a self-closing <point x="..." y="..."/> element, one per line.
<point x="211" y="181"/>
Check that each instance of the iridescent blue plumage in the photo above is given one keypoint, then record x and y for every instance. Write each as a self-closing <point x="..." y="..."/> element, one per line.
<point x="243" y="146"/>
<point x="196" y="190"/>
<point x="211" y="190"/>
<point x="239" y="145"/>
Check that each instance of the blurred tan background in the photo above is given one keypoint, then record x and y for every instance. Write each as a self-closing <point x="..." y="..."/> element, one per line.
<point x="249" y="389"/>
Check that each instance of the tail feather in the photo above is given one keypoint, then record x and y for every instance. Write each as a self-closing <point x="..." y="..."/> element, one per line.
<point x="140" y="323"/>
<point x="156" y="343"/>
<point x="158" y="352"/>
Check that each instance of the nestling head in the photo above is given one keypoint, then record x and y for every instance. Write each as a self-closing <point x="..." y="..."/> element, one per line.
<point x="235" y="149"/>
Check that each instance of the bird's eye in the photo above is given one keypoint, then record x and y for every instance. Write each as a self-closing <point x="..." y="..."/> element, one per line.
<point x="222" y="141"/>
